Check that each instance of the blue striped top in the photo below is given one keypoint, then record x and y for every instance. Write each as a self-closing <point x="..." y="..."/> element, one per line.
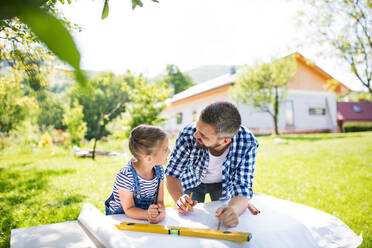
<point x="124" y="180"/>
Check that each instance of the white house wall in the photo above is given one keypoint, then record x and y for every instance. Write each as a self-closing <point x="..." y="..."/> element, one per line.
<point x="252" y="118"/>
<point x="307" y="99"/>
<point x="187" y="111"/>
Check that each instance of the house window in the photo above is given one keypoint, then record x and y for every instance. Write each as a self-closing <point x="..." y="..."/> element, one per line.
<point x="316" y="111"/>
<point x="356" y="109"/>
<point x="289" y="113"/>
<point x="194" y="115"/>
<point x="179" y="118"/>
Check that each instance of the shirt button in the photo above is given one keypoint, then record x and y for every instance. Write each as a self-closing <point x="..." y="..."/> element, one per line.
<point x="138" y="196"/>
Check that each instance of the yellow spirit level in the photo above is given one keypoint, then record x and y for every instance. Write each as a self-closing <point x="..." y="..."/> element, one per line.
<point x="184" y="231"/>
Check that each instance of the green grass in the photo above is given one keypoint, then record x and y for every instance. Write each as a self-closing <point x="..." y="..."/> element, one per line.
<point x="330" y="172"/>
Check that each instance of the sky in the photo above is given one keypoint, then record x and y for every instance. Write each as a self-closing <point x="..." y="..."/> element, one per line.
<point x="191" y="33"/>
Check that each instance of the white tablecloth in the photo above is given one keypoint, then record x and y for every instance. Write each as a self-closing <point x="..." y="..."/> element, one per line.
<point x="280" y="224"/>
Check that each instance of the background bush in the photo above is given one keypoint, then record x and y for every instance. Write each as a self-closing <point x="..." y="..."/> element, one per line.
<point x="357" y="127"/>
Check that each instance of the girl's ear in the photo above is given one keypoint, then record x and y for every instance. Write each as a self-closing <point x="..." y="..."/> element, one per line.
<point x="147" y="158"/>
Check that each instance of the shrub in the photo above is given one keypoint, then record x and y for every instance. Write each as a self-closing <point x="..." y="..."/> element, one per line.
<point x="73" y="119"/>
<point x="26" y="133"/>
<point x="51" y="112"/>
<point x="357" y="127"/>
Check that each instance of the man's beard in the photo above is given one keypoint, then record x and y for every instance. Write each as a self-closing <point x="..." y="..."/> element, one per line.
<point x="202" y="146"/>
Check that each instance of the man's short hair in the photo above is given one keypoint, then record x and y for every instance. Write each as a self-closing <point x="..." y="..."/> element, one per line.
<point x="224" y="117"/>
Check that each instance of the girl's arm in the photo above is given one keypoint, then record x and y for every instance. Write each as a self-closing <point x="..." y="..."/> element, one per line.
<point x="127" y="202"/>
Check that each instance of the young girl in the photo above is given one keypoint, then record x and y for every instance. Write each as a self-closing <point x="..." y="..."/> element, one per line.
<point x="138" y="189"/>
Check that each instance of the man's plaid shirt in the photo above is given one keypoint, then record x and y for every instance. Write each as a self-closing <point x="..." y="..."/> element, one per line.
<point x="189" y="163"/>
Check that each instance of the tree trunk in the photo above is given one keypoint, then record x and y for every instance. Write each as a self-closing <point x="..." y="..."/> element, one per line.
<point x="97" y="135"/>
<point x="120" y="104"/>
<point x="276" y="110"/>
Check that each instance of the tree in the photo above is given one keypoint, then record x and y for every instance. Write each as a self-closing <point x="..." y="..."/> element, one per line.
<point x="73" y="119"/>
<point x="51" y="109"/>
<point x="99" y="97"/>
<point x="15" y="106"/>
<point x="30" y="29"/>
<point x="355" y="96"/>
<point x="146" y="103"/>
<point x="344" y="26"/>
<point x="29" y="25"/>
<point x="103" y="99"/>
<point x="263" y="85"/>
<point x="176" y="79"/>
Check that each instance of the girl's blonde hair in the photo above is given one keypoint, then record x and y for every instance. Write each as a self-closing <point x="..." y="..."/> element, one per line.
<point x="144" y="139"/>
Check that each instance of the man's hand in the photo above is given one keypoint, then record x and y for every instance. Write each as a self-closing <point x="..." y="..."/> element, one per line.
<point x="182" y="203"/>
<point x="228" y="216"/>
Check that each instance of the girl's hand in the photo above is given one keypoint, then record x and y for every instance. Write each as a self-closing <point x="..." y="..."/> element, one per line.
<point x="160" y="213"/>
<point x="153" y="211"/>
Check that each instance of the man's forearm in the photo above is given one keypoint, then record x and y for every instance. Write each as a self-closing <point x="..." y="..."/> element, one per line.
<point x="174" y="187"/>
<point x="239" y="204"/>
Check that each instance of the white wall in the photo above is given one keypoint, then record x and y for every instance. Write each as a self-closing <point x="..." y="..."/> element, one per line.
<point x="303" y="100"/>
<point x="252" y="118"/>
<point x="187" y="111"/>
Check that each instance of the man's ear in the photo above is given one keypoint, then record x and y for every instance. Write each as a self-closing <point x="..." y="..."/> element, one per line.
<point x="227" y="141"/>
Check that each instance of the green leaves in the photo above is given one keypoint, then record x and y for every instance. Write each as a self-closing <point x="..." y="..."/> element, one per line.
<point x="101" y="95"/>
<point x="135" y="3"/>
<point x="36" y="18"/>
<point x="343" y="30"/>
<point x="146" y="103"/>
<point x="176" y="79"/>
<point x="73" y="119"/>
<point x="105" y="10"/>
<point x="54" y="35"/>
<point x="39" y="17"/>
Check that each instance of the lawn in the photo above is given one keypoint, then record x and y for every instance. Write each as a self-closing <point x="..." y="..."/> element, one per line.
<point x="330" y="172"/>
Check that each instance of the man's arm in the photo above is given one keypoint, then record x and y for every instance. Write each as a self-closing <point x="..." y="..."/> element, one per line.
<point x="176" y="166"/>
<point x="242" y="190"/>
<point x="244" y="174"/>
<point x="239" y="204"/>
<point x="176" y="191"/>
<point x="174" y="187"/>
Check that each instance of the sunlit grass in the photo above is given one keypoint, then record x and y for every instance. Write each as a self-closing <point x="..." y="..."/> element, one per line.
<point x="331" y="172"/>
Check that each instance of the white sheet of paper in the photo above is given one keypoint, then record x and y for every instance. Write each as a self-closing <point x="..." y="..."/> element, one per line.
<point x="281" y="224"/>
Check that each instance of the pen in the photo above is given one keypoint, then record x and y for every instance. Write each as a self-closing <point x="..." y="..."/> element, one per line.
<point x="155" y="200"/>
<point x="188" y="204"/>
<point x="220" y="222"/>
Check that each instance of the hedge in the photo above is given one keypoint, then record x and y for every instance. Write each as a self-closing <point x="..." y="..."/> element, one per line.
<point x="356" y="127"/>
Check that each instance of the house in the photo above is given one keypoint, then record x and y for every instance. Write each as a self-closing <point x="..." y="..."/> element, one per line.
<point x="309" y="106"/>
<point x="354" y="112"/>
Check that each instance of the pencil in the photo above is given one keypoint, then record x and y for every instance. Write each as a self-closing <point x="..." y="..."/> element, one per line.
<point x="253" y="209"/>
<point x="188" y="204"/>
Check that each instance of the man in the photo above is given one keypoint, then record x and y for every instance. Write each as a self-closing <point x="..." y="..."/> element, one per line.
<point x="216" y="156"/>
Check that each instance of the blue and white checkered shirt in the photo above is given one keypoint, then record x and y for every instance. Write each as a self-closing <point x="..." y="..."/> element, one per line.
<point x="189" y="163"/>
